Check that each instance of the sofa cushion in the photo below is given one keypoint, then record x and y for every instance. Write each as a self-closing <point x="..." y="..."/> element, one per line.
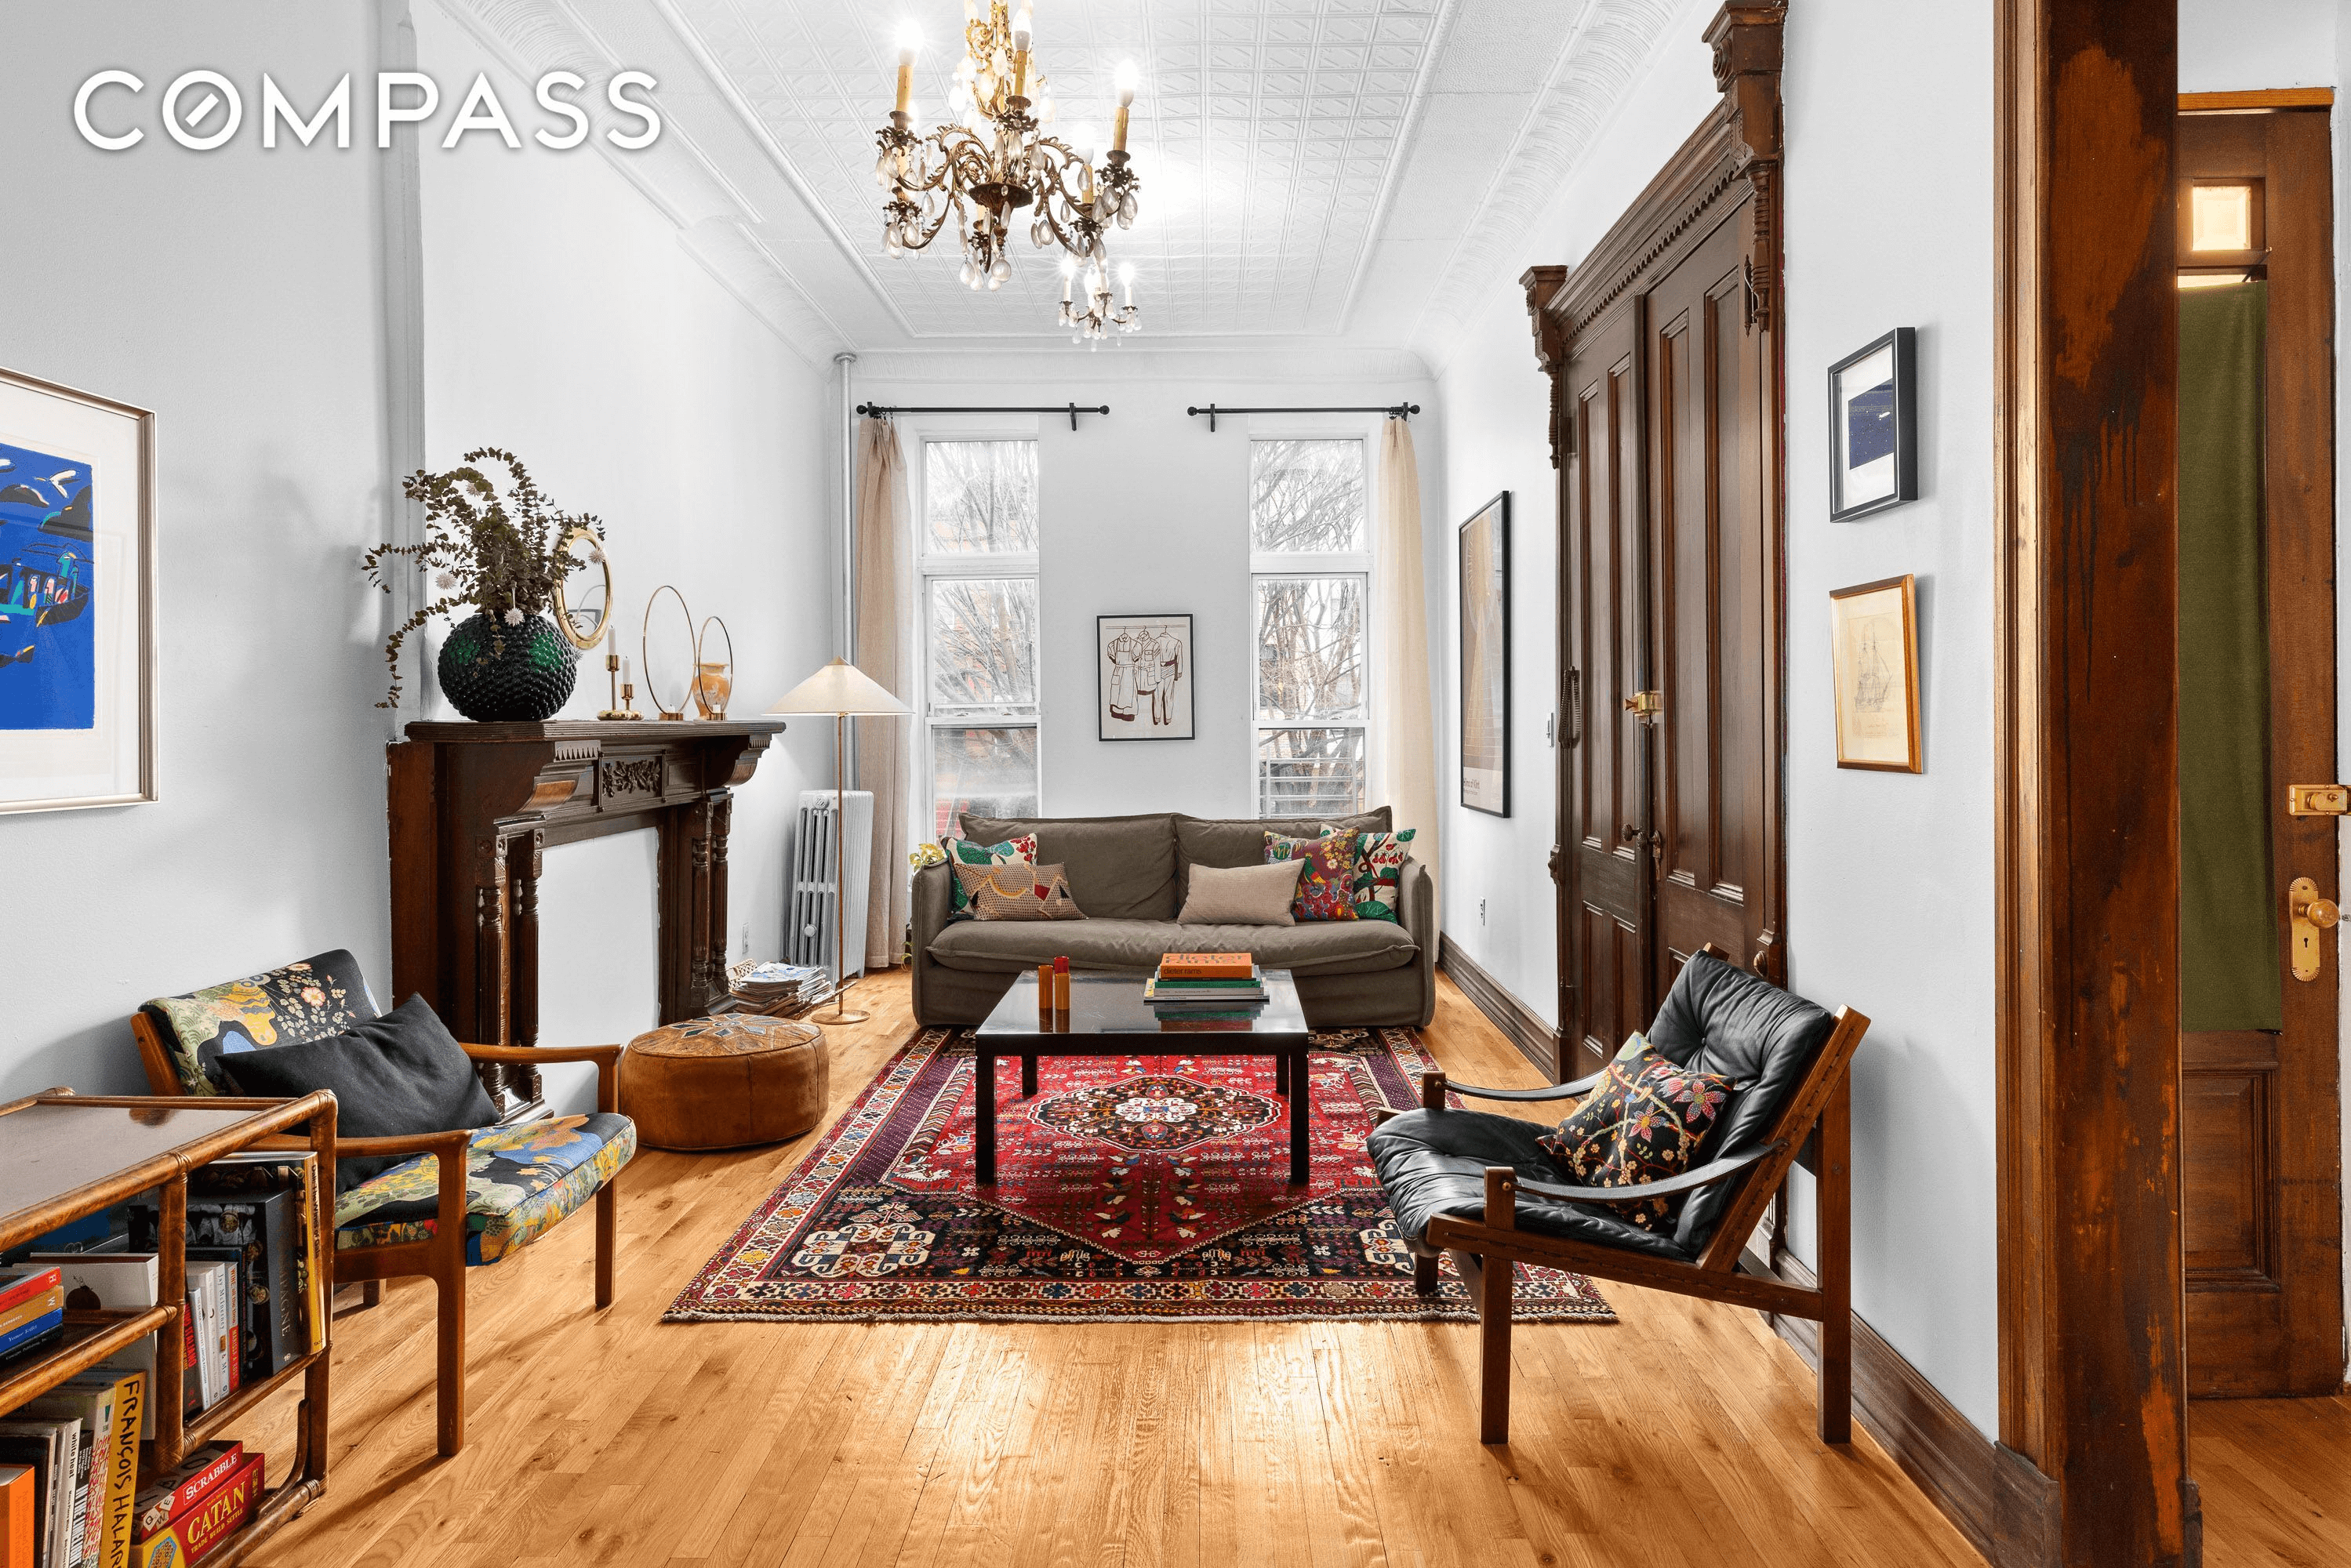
<point x="1326" y="889"/>
<point x="1242" y="895"/>
<point x="1017" y="890"/>
<point x="1378" y="884"/>
<point x="1335" y="947"/>
<point x="1120" y="868"/>
<point x="1240" y="841"/>
<point x="964" y="852"/>
<point x="519" y="1180"/>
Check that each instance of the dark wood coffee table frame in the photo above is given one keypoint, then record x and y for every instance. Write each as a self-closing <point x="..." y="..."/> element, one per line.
<point x="1068" y="1034"/>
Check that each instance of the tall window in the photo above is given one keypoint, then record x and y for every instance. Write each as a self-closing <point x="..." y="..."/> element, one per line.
<point x="1309" y="544"/>
<point x="979" y="540"/>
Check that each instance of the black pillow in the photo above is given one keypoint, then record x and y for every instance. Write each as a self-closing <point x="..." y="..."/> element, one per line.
<point x="401" y="1074"/>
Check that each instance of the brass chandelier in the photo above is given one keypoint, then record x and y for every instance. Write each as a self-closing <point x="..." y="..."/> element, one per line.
<point x="996" y="159"/>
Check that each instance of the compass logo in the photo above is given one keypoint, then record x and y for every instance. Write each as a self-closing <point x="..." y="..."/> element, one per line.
<point x="203" y="110"/>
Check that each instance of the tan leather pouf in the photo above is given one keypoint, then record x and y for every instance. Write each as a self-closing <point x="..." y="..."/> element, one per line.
<point x="721" y="1082"/>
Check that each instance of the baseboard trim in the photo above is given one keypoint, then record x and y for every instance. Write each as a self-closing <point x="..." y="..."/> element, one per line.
<point x="1536" y="1040"/>
<point x="1991" y="1493"/>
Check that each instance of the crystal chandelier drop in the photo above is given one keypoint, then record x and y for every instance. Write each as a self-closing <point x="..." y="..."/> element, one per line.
<point x="996" y="159"/>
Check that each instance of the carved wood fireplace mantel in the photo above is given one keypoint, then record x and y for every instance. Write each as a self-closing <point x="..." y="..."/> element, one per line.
<point x="474" y="808"/>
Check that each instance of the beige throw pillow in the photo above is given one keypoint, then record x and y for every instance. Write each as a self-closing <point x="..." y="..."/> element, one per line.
<point x="1242" y="894"/>
<point x="1015" y="889"/>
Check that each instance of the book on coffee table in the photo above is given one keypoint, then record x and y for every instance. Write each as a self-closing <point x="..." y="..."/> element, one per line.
<point x="1207" y="967"/>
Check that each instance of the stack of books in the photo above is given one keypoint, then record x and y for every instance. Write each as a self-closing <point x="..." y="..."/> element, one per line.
<point x="1209" y="990"/>
<point x="785" y="990"/>
<point x="32" y="1310"/>
<point x="80" y="1442"/>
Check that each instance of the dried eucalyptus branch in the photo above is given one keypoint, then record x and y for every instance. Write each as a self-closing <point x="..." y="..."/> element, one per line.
<point x="501" y="554"/>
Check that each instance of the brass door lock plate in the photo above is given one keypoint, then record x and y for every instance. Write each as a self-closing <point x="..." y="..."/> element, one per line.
<point x="2317" y="799"/>
<point x="2307" y="915"/>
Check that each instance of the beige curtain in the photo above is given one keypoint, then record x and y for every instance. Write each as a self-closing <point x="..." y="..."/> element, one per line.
<point x="884" y="745"/>
<point x="1403" y="739"/>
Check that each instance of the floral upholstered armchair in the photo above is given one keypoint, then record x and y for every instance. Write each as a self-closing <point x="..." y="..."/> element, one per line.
<point x="449" y="1199"/>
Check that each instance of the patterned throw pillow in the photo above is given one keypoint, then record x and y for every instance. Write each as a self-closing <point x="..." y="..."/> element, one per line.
<point x="1377" y="894"/>
<point x="1326" y="888"/>
<point x="1017" y="890"/>
<point x="962" y="851"/>
<point x="1644" y="1123"/>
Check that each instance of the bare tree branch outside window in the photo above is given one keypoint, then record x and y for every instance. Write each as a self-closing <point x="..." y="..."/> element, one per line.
<point x="980" y="501"/>
<point x="1313" y="642"/>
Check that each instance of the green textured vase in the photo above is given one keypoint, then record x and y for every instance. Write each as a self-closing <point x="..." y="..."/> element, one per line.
<point x="492" y="672"/>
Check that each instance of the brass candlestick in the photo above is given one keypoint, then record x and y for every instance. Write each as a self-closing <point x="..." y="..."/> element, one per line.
<point x="623" y="692"/>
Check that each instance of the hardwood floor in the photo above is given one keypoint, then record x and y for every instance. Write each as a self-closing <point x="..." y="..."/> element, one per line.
<point x="1679" y="1438"/>
<point x="2275" y="1475"/>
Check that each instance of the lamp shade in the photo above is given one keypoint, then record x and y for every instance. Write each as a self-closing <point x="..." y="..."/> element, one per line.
<point x="842" y="690"/>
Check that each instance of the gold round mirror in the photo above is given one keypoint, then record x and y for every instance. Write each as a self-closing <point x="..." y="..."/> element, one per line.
<point x="583" y="594"/>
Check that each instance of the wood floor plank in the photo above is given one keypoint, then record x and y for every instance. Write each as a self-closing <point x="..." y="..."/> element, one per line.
<point x="615" y="1438"/>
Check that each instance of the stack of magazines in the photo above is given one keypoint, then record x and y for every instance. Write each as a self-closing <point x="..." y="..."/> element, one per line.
<point x="1212" y="989"/>
<point x="786" y="990"/>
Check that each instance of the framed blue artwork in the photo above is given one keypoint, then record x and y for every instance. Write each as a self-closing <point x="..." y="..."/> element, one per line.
<point x="1873" y="433"/>
<point x="77" y="599"/>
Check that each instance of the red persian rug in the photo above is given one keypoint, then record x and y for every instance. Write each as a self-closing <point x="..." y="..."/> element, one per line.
<point x="1131" y="1188"/>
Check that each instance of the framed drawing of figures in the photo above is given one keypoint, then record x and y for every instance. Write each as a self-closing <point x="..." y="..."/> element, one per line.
<point x="1144" y="673"/>
<point x="77" y="599"/>
<point x="1874" y="648"/>
<point x="1485" y="562"/>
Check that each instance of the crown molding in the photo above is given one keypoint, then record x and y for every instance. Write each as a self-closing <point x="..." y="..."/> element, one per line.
<point x="1207" y="369"/>
<point x="1596" y="70"/>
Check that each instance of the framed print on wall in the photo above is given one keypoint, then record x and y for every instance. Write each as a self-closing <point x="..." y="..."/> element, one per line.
<point x="1874" y="652"/>
<point x="77" y="599"/>
<point x="1873" y="433"/>
<point x="1143" y="677"/>
<point x="1484" y="548"/>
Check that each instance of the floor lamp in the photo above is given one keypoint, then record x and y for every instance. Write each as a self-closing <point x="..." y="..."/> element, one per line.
<point x="845" y="692"/>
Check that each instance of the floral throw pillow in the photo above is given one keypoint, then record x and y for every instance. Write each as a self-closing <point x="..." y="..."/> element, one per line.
<point x="1377" y="895"/>
<point x="1326" y="888"/>
<point x="1644" y="1123"/>
<point x="962" y="851"/>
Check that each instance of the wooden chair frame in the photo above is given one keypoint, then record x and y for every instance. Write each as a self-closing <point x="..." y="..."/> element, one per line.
<point x="441" y="1258"/>
<point x="1820" y="1105"/>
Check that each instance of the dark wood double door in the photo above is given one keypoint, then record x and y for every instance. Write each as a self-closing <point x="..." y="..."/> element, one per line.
<point x="1669" y="588"/>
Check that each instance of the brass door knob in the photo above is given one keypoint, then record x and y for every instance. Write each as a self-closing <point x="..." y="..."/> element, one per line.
<point x="2322" y="913"/>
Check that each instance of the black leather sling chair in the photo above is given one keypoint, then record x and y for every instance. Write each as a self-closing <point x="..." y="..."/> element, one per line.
<point x="1478" y="1187"/>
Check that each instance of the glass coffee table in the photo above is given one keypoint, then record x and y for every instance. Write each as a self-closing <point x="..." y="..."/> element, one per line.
<point x="1107" y="1017"/>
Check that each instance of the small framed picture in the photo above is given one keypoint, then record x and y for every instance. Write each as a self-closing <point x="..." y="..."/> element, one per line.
<point x="77" y="596"/>
<point x="1485" y="560"/>
<point x="1873" y="650"/>
<point x="1873" y="434"/>
<point x="1144" y="673"/>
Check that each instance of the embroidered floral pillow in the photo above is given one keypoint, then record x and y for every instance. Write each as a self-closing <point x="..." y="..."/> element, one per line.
<point x="1644" y="1123"/>
<point x="962" y="851"/>
<point x="1377" y="894"/>
<point x="1016" y="890"/>
<point x="1326" y="888"/>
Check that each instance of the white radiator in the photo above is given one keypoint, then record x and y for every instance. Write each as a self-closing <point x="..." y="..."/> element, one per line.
<point x="816" y="901"/>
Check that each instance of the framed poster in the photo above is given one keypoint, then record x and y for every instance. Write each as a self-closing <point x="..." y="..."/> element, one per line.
<point x="1143" y="677"/>
<point x="77" y="599"/>
<point x="1484" y="548"/>
<point x="1874" y="650"/>
<point x="1873" y="427"/>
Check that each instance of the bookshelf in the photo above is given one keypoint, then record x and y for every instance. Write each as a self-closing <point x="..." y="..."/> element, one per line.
<point x="64" y="1156"/>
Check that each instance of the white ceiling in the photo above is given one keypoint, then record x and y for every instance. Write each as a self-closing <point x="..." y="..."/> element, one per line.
<point x="1313" y="171"/>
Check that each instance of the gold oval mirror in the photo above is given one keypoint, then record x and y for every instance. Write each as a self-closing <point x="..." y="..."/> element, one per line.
<point x="583" y="594"/>
<point x="669" y="659"/>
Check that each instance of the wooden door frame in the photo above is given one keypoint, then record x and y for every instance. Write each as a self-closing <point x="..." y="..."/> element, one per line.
<point x="1733" y="157"/>
<point x="2093" y="1377"/>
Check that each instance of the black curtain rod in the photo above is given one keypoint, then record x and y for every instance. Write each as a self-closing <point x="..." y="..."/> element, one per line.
<point x="878" y="411"/>
<point x="1393" y="411"/>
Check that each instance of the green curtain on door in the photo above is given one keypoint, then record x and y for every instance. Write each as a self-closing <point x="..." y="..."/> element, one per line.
<point x="2229" y="910"/>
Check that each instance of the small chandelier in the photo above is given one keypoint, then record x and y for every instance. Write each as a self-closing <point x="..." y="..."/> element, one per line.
<point x="997" y="159"/>
<point x="1093" y="323"/>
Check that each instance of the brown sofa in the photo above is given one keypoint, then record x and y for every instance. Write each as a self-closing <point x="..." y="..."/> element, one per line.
<point x="1130" y="874"/>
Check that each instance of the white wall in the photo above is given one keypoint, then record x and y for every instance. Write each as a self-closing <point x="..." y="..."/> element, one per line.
<point x="564" y="322"/>
<point x="1923" y="1166"/>
<point x="1856" y="118"/>
<point x="1145" y="511"/>
<point x="241" y="294"/>
<point x="233" y="293"/>
<point x="1497" y="406"/>
<point x="2228" y="47"/>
